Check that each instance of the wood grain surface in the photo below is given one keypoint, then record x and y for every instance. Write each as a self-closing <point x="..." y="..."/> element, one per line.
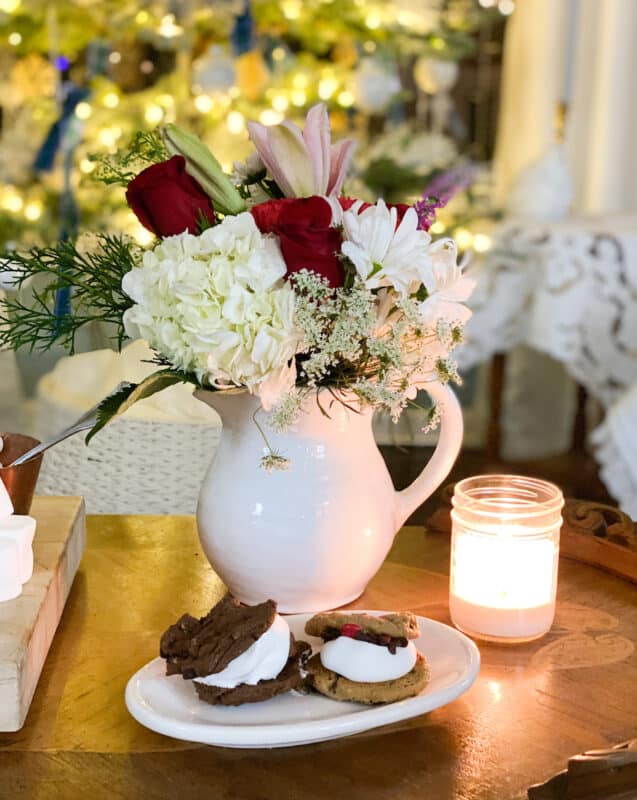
<point x="532" y="707"/>
<point x="28" y="623"/>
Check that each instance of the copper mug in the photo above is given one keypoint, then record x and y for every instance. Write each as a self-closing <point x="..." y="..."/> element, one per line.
<point x="20" y="481"/>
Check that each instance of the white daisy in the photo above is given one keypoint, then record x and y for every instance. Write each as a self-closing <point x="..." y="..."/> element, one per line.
<point x="386" y="254"/>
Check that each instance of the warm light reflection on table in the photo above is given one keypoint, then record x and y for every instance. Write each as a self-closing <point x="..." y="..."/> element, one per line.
<point x="530" y="709"/>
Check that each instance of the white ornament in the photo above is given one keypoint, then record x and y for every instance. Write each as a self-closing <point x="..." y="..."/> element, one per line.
<point x="375" y="85"/>
<point x="544" y="190"/>
<point x="215" y="71"/>
<point x="433" y="75"/>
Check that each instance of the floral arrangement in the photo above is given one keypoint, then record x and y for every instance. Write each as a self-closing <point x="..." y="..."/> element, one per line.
<point x="271" y="281"/>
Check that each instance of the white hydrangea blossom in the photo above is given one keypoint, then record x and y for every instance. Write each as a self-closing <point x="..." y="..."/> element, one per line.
<point x="384" y="253"/>
<point x="216" y="304"/>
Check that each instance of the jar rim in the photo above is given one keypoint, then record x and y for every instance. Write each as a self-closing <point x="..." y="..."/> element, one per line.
<point x="507" y="497"/>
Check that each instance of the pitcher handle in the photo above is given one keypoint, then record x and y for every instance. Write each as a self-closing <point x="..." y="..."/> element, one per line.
<point x="443" y="458"/>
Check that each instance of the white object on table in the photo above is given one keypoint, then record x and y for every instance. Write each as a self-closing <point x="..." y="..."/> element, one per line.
<point x="21" y="530"/>
<point x="504" y="556"/>
<point x="169" y="704"/>
<point x="6" y="506"/>
<point x="16" y="548"/>
<point x="10" y="583"/>
<point x="615" y="445"/>
<point x="28" y="625"/>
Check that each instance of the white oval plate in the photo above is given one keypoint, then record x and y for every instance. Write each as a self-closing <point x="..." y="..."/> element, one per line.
<point x="170" y="705"/>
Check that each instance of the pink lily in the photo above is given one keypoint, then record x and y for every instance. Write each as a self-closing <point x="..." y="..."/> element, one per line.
<point x="303" y="162"/>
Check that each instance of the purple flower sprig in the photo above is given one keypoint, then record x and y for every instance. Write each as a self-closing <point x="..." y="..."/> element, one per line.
<point x="440" y="190"/>
<point x="426" y="210"/>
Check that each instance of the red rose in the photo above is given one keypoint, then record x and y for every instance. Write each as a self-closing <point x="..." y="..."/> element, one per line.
<point x="347" y="202"/>
<point x="167" y="200"/>
<point x="307" y="239"/>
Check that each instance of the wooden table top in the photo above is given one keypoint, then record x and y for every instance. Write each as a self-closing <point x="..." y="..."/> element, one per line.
<point x="532" y="707"/>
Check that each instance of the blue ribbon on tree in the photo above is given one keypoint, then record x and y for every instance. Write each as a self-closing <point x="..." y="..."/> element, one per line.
<point x="45" y="161"/>
<point x="71" y="96"/>
<point x="242" y="36"/>
<point x="60" y="137"/>
<point x="64" y="136"/>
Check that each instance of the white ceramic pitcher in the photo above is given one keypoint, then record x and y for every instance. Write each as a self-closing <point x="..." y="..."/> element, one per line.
<point x="310" y="537"/>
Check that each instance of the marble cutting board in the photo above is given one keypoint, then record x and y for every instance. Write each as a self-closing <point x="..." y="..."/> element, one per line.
<point x="28" y="623"/>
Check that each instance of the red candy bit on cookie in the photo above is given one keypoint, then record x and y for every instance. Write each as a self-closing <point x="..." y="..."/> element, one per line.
<point x="349" y="629"/>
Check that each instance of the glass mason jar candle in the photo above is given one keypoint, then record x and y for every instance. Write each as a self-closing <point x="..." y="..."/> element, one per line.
<point x="504" y="557"/>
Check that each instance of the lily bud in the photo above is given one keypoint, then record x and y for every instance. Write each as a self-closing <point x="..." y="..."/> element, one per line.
<point x="205" y="169"/>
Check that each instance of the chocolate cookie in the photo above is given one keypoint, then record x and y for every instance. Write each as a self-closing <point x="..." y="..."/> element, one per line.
<point x="339" y="688"/>
<point x="397" y="626"/>
<point x="288" y="678"/>
<point x="199" y="647"/>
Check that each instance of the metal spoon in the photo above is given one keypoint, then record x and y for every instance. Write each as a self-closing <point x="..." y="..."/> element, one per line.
<point x="84" y="423"/>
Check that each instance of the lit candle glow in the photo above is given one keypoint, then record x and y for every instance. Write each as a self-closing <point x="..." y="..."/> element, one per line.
<point x="504" y="557"/>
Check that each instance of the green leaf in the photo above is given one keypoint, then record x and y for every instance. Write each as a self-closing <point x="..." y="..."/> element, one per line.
<point x="117" y="403"/>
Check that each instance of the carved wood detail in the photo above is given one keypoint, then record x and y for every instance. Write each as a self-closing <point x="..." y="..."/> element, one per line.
<point x="608" y="774"/>
<point x="593" y="533"/>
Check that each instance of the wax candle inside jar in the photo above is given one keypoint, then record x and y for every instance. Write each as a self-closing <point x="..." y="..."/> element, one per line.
<point x="504" y="559"/>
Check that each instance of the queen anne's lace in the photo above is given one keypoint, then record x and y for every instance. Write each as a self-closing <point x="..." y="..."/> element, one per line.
<point x="374" y="345"/>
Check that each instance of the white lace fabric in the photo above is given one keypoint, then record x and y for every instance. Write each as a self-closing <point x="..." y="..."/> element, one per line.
<point x="569" y="289"/>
